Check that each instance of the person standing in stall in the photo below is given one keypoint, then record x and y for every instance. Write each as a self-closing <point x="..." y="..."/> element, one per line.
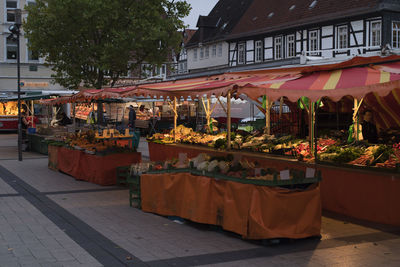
<point x="369" y="131"/>
<point x="132" y="118"/>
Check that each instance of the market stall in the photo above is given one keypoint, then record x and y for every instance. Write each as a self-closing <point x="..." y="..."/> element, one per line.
<point x="8" y="116"/>
<point x="376" y="87"/>
<point x="255" y="202"/>
<point x="371" y="82"/>
<point x="91" y="157"/>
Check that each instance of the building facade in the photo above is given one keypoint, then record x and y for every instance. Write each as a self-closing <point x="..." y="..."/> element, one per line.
<point x="34" y="75"/>
<point x="208" y="48"/>
<point x="270" y="34"/>
<point x="315" y="29"/>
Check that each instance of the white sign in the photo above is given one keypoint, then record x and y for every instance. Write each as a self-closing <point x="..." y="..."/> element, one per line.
<point x="285" y="175"/>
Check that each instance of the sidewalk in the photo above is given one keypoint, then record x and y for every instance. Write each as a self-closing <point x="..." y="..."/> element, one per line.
<point x="50" y="219"/>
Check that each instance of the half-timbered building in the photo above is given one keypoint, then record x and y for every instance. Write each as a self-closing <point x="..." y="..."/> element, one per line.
<point x="291" y="31"/>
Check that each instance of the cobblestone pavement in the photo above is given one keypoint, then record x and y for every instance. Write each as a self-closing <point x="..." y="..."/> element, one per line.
<point x="50" y="219"/>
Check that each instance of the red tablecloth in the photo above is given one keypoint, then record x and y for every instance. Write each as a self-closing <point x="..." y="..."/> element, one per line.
<point x="255" y="212"/>
<point x="92" y="168"/>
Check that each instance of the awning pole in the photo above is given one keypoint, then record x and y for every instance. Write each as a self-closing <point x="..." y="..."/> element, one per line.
<point x="268" y="115"/>
<point x="206" y="111"/>
<point x="315" y="132"/>
<point x="175" y="118"/>
<point x="32" y="111"/>
<point x="74" y="113"/>
<point x="228" y="107"/>
<point x="356" y="121"/>
<point x="311" y="129"/>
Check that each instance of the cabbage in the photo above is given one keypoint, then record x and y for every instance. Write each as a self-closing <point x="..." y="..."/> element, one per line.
<point x="212" y="165"/>
<point x="203" y="166"/>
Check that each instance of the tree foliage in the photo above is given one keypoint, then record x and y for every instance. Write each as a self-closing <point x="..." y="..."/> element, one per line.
<point x="94" y="42"/>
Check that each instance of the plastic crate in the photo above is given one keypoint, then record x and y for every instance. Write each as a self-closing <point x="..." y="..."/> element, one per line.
<point x="123" y="174"/>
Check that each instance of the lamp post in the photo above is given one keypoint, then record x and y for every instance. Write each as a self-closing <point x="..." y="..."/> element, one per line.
<point x="15" y="29"/>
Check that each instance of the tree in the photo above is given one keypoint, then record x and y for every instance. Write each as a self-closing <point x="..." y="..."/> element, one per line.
<point x="93" y="42"/>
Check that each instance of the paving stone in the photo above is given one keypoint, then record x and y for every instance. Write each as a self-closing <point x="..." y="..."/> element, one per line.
<point x="62" y="255"/>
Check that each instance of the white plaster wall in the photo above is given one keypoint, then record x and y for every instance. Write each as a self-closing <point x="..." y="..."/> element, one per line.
<point x="208" y="62"/>
<point x="357" y="25"/>
<point x="327" y="30"/>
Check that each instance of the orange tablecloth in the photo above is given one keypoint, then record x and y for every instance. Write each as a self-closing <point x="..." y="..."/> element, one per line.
<point x="92" y="168"/>
<point x="361" y="194"/>
<point x="255" y="212"/>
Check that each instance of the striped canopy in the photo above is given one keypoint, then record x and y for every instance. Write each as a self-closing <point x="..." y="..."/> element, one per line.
<point x="334" y="84"/>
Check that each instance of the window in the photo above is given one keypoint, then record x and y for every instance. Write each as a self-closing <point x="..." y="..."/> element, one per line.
<point x="291" y="46"/>
<point x="31" y="2"/>
<point x="214" y="51"/>
<point x="219" y="50"/>
<point x="207" y="52"/>
<point x="396" y="34"/>
<point x="342" y="35"/>
<point x="258" y="52"/>
<point x="32" y="55"/>
<point x="278" y="47"/>
<point x="11" y="5"/>
<point x="375" y="33"/>
<point x="195" y="54"/>
<point x="313" y="42"/>
<point x="11" y="46"/>
<point x="202" y="53"/>
<point x="147" y="71"/>
<point x="241" y="53"/>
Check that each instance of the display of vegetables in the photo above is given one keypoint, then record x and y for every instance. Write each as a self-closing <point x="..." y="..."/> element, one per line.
<point x="93" y="142"/>
<point x="328" y="149"/>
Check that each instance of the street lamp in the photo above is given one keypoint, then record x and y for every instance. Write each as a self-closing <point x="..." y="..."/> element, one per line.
<point x="15" y="30"/>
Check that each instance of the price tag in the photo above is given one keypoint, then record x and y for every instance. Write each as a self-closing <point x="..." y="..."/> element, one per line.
<point x="257" y="171"/>
<point x="285" y="175"/>
<point x="310" y="173"/>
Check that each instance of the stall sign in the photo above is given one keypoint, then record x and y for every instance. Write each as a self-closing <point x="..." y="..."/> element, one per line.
<point x="35" y="84"/>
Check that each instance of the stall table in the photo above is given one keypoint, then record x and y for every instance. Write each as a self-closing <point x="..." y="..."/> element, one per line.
<point x="8" y="123"/>
<point x="349" y="190"/>
<point x="253" y="211"/>
<point x="98" y="169"/>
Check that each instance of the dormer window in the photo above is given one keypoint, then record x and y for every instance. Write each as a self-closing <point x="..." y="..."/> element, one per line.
<point x="376" y="33"/>
<point x="270" y="15"/>
<point x="292" y="7"/>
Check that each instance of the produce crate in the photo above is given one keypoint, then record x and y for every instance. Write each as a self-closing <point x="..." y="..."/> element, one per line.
<point x="123" y="174"/>
<point x="37" y="143"/>
<point x="134" y="191"/>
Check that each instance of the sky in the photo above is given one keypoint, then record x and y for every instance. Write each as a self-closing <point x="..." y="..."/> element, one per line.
<point x="199" y="7"/>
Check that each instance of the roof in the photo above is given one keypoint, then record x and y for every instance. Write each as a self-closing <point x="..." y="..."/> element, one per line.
<point x="265" y="16"/>
<point x="220" y="21"/>
<point x="188" y="35"/>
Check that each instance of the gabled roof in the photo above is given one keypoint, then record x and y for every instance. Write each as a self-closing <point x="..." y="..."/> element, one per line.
<point x="265" y="16"/>
<point x="188" y="35"/>
<point x="220" y="21"/>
